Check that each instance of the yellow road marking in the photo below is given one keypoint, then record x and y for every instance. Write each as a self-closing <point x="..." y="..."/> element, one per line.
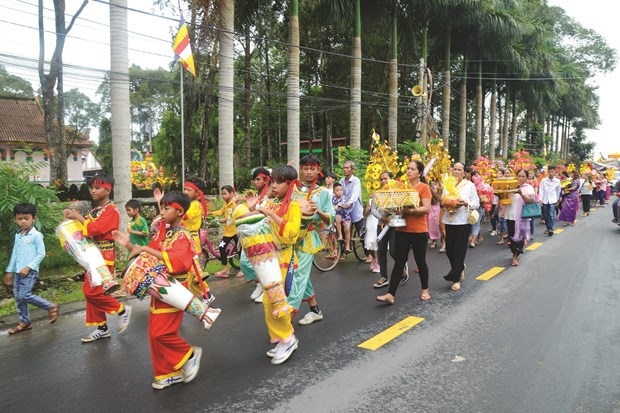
<point x="487" y="275"/>
<point x="534" y="246"/>
<point x="391" y="333"/>
<point x="558" y="231"/>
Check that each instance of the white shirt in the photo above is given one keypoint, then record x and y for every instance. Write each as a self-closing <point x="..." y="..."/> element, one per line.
<point x="467" y="192"/>
<point x="549" y="190"/>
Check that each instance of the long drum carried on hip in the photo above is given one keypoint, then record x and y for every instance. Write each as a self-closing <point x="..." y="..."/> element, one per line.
<point x="85" y="252"/>
<point x="145" y="274"/>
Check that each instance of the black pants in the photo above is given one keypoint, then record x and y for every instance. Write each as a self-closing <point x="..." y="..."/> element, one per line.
<point x="384" y="244"/>
<point x="403" y="241"/>
<point x="223" y="247"/>
<point x="585" y="202"/>
<point x="515" y="246"/>
<point x="457" y="240"/>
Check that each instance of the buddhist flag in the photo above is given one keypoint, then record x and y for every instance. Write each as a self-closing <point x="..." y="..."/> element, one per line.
<point x="183" y="49"/>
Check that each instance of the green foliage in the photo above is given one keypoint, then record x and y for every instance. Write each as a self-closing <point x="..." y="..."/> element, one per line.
<point x="80" y="111"/>
<point x="104" y="150"/>
<point x="16" y="187"/>
<point x="360" y="158"/>
<point x="14" y="86"/>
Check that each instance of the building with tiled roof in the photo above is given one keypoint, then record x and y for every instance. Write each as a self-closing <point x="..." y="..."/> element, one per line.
<point x="22" y="139"/>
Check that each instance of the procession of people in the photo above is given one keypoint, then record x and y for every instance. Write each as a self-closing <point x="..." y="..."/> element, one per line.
<point x="278" y="230"/>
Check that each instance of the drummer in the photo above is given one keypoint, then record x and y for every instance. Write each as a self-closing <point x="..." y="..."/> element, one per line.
<point x="98" y="225"/>
<point x="174" y="361"/>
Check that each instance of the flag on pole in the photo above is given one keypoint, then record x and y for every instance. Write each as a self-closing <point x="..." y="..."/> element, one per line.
<point x="183" y="49"/>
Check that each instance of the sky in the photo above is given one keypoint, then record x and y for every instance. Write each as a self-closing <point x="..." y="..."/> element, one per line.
<point x="87" y="49"/>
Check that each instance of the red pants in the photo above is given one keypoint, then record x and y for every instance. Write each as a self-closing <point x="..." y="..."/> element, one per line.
<point x="98" y="304"/>
<point x="169" y="351"/>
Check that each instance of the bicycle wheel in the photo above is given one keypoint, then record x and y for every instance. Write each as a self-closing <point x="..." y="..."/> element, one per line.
<point x="357" y="243"/>
<point x="327" y="258"/>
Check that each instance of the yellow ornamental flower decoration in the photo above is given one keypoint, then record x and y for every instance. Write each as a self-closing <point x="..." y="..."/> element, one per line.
<point x="382" y="159"/>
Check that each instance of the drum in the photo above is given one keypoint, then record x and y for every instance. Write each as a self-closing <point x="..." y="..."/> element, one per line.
<point x="260" y="246"/>
<point x="85" y="252"/>
<point x="145" y="274"/>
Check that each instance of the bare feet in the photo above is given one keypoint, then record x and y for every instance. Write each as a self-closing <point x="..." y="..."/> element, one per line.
<point x="425" y="295"/>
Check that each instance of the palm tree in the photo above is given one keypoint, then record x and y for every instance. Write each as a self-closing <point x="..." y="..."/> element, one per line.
<point x="393" y="119"/>
<point x="356" y="82"/>
<point x="119" y="97"/>
<point x="293" y="113"/>
<point x="226" y="127"/>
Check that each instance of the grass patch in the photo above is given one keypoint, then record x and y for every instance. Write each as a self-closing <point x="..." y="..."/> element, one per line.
<point x="57" y="289"/>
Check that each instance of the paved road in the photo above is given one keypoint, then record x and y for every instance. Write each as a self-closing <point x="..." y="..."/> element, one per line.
<point x="541" y="337"/>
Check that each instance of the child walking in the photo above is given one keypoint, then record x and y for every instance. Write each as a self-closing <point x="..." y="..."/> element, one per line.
<point x="230" y="230"/>
<point x="28" y="252"/>
<point x="194" y="188"/>
<point x="138" y="228"/>
<point x="174" y="361"/>
<point x="98" y="225"/>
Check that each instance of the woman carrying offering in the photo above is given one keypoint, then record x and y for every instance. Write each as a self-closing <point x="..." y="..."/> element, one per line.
<point x="570" y="201"/>
<point x="519" y="228"/>
<point x="414" y="235"/>
<point x="457" y="224"/>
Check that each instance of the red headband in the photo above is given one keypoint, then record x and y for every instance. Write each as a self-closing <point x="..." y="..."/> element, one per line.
<point x="263" y="191"/>
<point x="287" y="198"/>
<point x="201" y="195"/>
<point x="100" y="184"/>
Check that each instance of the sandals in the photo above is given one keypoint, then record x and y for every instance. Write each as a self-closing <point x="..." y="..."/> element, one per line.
<point x="25" y="327"/>
<point x="425" y="297"/>
<point x="53" y="313"/>
<point x="387" y="299"/>
<point x="222" y="274"/>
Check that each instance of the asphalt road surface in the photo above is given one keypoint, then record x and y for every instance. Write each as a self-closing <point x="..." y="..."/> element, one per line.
<point x="541" y="337"/>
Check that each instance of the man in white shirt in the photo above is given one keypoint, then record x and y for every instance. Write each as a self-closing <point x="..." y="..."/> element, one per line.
<point x="549" y="192"/>
<point x="352" y="188"/>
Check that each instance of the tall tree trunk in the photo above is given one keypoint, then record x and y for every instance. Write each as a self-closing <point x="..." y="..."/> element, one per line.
<point x="479" y="103"/>
<point x="463" y="116"/>
<point x="55" y="137"/>
<point x="445" y="94"/>
<point x="513" y="122"/>
<point x="505" y="123"/>
<point x="293" y="111"/>
<point x="226" y="127"/>
<point x="119" y="97"/>
<point x="247" y="145"/>
<point x="493" y="120"/>
<point x="356" y="83"/>
<point x="393" y="117"/>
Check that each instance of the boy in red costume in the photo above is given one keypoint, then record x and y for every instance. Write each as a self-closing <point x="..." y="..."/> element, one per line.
<point x="174" y="361"/>
<point x="98" y="225"/>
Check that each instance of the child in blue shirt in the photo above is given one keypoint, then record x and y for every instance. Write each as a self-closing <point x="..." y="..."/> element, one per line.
<point x="28" y="252"/>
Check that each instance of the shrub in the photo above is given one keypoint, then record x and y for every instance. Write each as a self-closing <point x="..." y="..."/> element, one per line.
<point x="16" y="187"/>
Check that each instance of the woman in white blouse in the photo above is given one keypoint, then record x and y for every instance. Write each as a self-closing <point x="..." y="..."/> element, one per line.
<point x="458" y="227"/>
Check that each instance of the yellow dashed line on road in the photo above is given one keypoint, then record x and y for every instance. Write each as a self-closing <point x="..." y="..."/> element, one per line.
<point x="487" y="275"/>
<point x="558" y="231"/>
<point x="534" y="246"/>
<point x="391" y="333"/>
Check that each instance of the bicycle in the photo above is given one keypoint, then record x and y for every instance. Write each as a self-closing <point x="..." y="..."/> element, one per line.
<point x="209" y="252"/>
<point x="333" y="248"/>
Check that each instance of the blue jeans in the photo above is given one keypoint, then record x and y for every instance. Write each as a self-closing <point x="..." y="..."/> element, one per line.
<point x="548" y="213"/>
<point x="22" y="290"/>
